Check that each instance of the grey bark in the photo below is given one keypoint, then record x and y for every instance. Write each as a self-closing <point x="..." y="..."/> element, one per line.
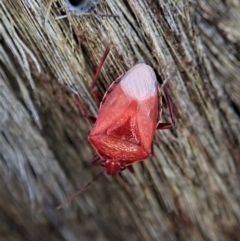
<point x="189" y="189"/>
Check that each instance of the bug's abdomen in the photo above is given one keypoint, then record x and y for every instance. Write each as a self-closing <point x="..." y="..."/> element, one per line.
<point x="121" y="139"/>
<point x="109" y="147"/>
<point x="130" y="136"/>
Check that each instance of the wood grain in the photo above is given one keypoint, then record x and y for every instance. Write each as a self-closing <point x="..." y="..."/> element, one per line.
<point x="189" y="189"/>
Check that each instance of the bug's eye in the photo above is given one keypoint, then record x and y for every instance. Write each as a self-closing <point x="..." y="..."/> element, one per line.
<point x="122" y="168"/>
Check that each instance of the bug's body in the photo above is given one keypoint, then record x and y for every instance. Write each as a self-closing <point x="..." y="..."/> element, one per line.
<point x="129" y="114"/>
<point x="124" y="130"/>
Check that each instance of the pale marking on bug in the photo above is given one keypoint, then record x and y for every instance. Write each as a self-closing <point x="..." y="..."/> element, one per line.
<point x="139" y="82"/>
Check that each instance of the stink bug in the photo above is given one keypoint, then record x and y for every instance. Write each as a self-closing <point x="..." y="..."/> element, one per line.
<point x="129" y="114"/>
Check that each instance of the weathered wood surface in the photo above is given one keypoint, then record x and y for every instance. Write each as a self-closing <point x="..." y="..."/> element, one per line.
<point x="189" y="190"/>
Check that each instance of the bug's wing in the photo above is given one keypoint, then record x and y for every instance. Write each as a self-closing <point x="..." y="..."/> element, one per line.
<point x="147" y="118"/>
<point x="111" y="110"/>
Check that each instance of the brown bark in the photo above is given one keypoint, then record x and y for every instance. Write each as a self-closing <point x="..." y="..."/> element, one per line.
<point x="189" y="189"/>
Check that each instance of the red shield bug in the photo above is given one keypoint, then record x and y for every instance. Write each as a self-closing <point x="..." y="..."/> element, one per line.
<point x="129" y="114"/>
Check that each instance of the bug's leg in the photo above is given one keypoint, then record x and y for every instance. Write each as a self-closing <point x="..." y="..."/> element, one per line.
<point x="165" y="126"/>
<point x="95" y="161"/>
<point x="81" y="109"/>
<point x="130" y="168"/>
<point x="95" y="93"/>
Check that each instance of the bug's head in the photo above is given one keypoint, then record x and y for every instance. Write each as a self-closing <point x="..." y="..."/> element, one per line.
<point x="112" y="167"/>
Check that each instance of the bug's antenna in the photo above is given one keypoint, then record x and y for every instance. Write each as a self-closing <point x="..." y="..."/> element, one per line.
<point x="79" y="192"/>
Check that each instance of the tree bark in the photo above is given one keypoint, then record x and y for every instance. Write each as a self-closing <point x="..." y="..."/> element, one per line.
<point x="188" y="190"/>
